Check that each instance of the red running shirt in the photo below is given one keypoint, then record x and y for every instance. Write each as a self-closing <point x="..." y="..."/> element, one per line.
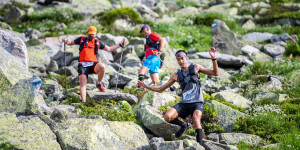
<point x="154" y="38"/>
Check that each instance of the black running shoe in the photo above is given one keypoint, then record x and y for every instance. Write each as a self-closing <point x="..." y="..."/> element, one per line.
<point x="182" y="130"/>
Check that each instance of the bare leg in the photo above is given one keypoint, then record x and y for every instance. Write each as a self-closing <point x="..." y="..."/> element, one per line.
<point x="82" y="84"/>
<point x="143" y="70"/>
<point x="100" y="70"/>
<point x="155" y="78"/>
<point x="171" y="115"/>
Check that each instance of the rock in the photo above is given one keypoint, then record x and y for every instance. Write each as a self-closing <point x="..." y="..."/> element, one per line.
<point x="295" y="78"/>
<point x="273" y="50"/>
<point x="249" y="25"/>
<point x="269" y="96"/>
<point x="39" y="56"/>
<point x="4" y="25"/>
<point x="89" y="10"/>
<point x="102" y="96"/>
<point x="225" y="9"/>
<point x="157" y="100"/>
<point x="225" y="40"/>
<point x="186" y="11"/>
<point x="14" y="15"/>
<point x="60" y="57"/>
<point x="63" y="112"/>
<point x="79" y="133"/>
<point x="12" y="70"/>
<point x="51" y="86"/>
<point x="122" y="25"/>
<point x="258" y="36"/>
<point x="20" y="98"/>
<point x="39" y="104"/>
<point x="210" y="86"/>
<point x="69" y="70"/>
<point x="160" y="144"/>
<point x="214" y="137"/>
<point x="14" y="45"/>
<point x="230" y="61"/>
<point x="210" y="145"/>
<point x="226" y="115"/>
<point x="122" y="80"/>
<point x="234" y="138"/>
<point x="32" y="33"/>
<point x="144" y="10"/>
<point x="111" y="40"/>
<point x="262" y="57"/>
<point x="249" y="50"/>
<point x="160" y="8"/>
<point x="276" y="38"/>
<point x="52" y="67"/>
<point x="131" y="60"/>
<point x="28" y="132"/>
<point x="273" y="84"/>
<point x="137" y="41"/>
<point x="234" y="98"/>
<point x="139" y="50"/>
<point x="154" y="121"/>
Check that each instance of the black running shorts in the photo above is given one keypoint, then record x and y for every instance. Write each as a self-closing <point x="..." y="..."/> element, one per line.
<point x="86" y="70"/>
<point x="186" y="109"/>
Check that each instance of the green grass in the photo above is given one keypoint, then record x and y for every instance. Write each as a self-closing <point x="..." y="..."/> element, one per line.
<point x="109" y="110"/>
<point x="292" y="48"/>
<point x="61" y="80"/>
<point x="107" y="18"/>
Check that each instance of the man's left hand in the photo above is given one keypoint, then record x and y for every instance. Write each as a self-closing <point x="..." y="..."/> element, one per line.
<point x="212" y="52"/>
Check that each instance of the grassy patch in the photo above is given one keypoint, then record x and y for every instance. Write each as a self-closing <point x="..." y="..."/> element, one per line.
<point x="109" y="110"/>
<point x="61" y="80"/>
<point x="133" y="90"/>
<point x="292" y="48"/>
<point x="107" y="18"/>
<point x="32" y="42"/>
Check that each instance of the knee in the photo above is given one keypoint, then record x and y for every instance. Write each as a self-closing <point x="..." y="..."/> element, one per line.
<point x="82" y="80"/>
<point x="167" y="118"/>
<point x="197" y="115"/>
<point x="101" y="67"/>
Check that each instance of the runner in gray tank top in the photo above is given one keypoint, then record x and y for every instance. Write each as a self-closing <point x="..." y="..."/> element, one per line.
<point x="192" y="98"/>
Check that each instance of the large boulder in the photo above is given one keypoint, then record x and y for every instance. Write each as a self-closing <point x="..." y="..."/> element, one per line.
<point x="226" y="40"/>
<point x="235" y="138"/>
<point x="274" y="50"/>
<point x="156" y="100"/>
<point x="12" y="70"/>
<point x="39" y="56"/>
<point x="154" y="121"/>
<point x="22" y="97"/>
<point x="234" y="98"/>
<point x="28" y="132"/>
<point x="14" y="45"/>
<point x="224" y="9"/>
<point x="120" y="79"/>
<point x="14" y="15"/>
<point x="79" y="133"/>
<point x="258" y="36"/>
<point x="102" y="96"/>
<point x="226" y="115"/>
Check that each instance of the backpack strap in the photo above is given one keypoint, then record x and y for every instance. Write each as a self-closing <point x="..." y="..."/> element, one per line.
<point x="152" y="44"/>
<point x="82" y="42"/>
<point x="97" y="45"/>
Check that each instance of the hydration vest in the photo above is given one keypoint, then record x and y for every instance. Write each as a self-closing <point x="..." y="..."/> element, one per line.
<point x="183" y="79"/>
<point x="152" y="44"/>
<point x="84" y="44"/>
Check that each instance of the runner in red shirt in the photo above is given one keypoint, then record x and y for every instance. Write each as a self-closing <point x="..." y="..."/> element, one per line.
<point x="154" y="45"/>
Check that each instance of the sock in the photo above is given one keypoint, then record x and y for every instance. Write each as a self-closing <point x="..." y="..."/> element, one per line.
<point x="141" y="77"/>
<point x="178" y="122"/>
<point x="98" y="82"/>
<point x="199" y="136"/>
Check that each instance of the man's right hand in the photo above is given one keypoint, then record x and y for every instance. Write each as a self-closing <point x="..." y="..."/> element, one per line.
<point x="65" y="40"/>
<point x="141" y="84"/>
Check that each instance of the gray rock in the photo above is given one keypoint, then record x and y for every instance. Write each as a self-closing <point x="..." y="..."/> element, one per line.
<point x="100" y="96"/>
<point x="249" y="50"/>
<point x="32" y="33"/>
<point x="144" y="10"/>
<point x="157" y="100"/>
<point x="234" y="138"/>
<point x="273" y="50"/>
<point x="70" y="71"/>
<point x="52" y="67"/>
<point x="14" y="45"/>
<point x="210" y="145"/>
<point x="122" y="80"/>
<point x="249" y="25"/>
<point x="214" y="137"/>
<point x="60" y="57"/>
<point x="224" y="39"/>
<point x="28" y="132"/>
<point x="234" y="98"/>
<point x="80" y="133"/>
<point x="226" y="115"/>
<point x="232" y="61"/>
<point x="51" y="86"/>
<point x="258" y="36"/>
<point x="14" y="15"/>
<point x="262" y="57"/>
<point x="154" y="121"/>
<point x="39" y="56"/>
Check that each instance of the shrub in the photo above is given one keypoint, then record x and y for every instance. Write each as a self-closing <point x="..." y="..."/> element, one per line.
<point x="109" y="110"/>
<point x="107" y="18"/>
<point x="292" y="48"/>
<point x="32" y="42"/>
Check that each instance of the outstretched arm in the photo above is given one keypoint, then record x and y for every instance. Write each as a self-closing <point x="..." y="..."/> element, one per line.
<point x="114" y="47"/>
<point x="68" y="42"/>
<point x="215" y="71"/>
<point x="160" y="89"/>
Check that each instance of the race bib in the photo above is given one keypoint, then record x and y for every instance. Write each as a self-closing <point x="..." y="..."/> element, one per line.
<point x="87" y="64"/>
